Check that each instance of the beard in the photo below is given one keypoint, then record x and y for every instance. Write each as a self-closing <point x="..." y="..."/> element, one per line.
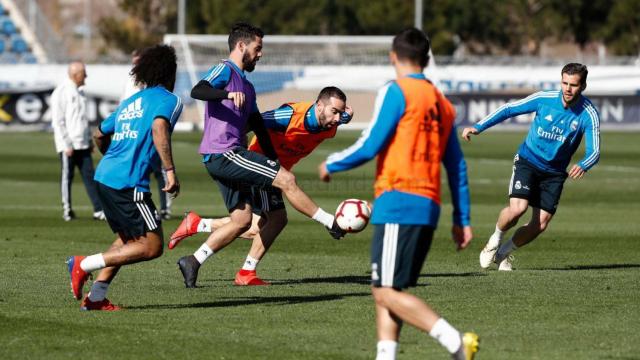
<point x="249" y="65"/>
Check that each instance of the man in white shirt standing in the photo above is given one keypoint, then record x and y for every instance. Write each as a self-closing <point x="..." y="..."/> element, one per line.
<point x="73" y="138"/>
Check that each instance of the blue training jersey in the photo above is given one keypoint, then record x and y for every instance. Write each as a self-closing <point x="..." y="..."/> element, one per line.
<point x="127" y="162"/>
<point x="556" y="132"/>
<point x="279" y="119"/>
<point x="396" y="206"/>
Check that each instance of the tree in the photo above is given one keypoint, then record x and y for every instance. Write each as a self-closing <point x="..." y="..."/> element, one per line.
<point x="145" y="24"/>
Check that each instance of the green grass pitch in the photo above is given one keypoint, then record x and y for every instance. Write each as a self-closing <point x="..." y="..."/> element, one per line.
<point x="575" y="294"/>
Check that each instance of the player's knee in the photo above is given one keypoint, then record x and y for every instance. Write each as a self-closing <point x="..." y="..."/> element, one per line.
<point x="542" y="226"/>
<point x="253" y="231"/>
<point x="517" y="210"/>
<point x="285" y="180"/>
<point x="381" y="295"/>
<point x="242" y="223"/>
<point x="153" y="251"/>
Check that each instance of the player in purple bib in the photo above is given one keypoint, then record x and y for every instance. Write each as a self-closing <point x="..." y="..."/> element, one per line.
<point x="231" y="111"/>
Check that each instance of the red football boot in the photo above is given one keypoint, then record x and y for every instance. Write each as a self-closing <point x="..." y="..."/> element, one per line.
<point x="188" y="227"/>
<point x="248" y="278"/>
<point x="103" y="305"/>
<point x="78" y="276"/>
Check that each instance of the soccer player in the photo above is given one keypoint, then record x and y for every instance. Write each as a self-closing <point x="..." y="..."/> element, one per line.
<point x="72" y="136"/>
<point x="539" y="168"/>
<point x="131" y="138"/>
<point x="230" y="110"/>
<point x="295" y="129"/>
<point x="412" y="132"/>
<point x="131" y="87"/>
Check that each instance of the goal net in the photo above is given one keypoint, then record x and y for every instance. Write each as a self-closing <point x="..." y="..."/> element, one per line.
<point x="297" y="65"/>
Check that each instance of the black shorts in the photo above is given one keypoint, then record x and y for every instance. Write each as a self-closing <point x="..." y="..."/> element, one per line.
<point x="129" y="213"/>
<point x="266" y="200"/>
<point x="239" y="172"/>
<point x="398" y="253"/>
<point x="541" y="188"/>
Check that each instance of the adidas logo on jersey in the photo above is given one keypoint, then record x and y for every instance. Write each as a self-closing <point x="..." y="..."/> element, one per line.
<point x="133" y="111"/>
<point x="548" y="117"/>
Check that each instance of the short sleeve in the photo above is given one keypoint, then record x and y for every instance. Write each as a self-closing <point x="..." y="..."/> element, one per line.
<point x="107" y="126"/>
<point x="170" y="110"/>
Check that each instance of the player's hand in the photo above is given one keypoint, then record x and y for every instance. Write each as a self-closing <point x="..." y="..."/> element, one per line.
<point x="462" y="236"/>
<point x="349" y="111"/>
<point x="172" y="185"/>
<point x="323" y="173"/>
<point x="576" y="172"/>
<point x="468" y="131"/>
<point x="237" y="97"/>
<point x="69" y="152"/>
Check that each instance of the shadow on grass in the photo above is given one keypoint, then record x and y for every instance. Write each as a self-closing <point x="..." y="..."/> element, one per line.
<point x="364" y="280"/>
<point x="254" y="300"/>
<point x="590" y="267"/>
<point x="464" y="274"/>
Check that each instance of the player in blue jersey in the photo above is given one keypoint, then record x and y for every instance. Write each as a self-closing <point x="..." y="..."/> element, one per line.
<point x="562" y="119"/>
<point x="131" y="139"/>
<point x="412" y="134"/>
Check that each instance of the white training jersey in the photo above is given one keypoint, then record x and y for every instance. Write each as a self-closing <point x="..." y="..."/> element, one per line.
<point x="69" y="118"/>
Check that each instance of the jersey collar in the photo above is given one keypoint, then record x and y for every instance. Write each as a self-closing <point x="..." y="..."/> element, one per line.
<point x="236" y="68"/>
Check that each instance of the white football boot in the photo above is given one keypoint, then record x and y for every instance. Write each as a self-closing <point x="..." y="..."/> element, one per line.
<point x="488" y="254"/>
<point x="506" y="264"/>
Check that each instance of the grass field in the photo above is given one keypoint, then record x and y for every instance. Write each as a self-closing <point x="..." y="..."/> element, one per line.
<point x="575" y="294"/>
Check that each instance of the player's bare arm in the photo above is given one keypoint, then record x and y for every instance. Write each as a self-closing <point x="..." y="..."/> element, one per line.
<point x="462" y="236"/>
<point x="102" y="141"/>
<point x="162" y="142"/>
<point x="576" y="172"/>
<point x="323" y="173"/>
<point x="468" y="131"/>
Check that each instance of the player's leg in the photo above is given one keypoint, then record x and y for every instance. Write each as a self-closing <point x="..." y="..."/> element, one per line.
<point x="85" y="164"/>
<point x="257" y="170"/>
<point x="270" y="225"/>
<point x="240" y="221"/>
<point x="544" y="202"/>
<point x="130" y="214"/>
<point x="388" y="328"/>
<point x="398" y="253"/>
<point x="522" y="185"/>
<point x="66" y="179"/>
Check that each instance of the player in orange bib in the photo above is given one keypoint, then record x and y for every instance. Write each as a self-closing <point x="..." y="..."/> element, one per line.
<point x="296" y="129"/>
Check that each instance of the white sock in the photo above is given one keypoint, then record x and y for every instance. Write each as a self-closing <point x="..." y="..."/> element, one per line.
<point x="203" y="253"/>
<point x="495" y="239"/>
<point x="204" y="225"/>
<point x="446" y="335"/>
<point x="92" y="263"/>
<point x="323" y="218"/>
<point x="250" y="264"/>
<point x="505" y="250"/>
<point x="98" y="291"/>
<point x="387" y="350"/>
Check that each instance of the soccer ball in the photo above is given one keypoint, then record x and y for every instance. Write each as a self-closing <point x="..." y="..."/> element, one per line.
<point x="352" y="215"/>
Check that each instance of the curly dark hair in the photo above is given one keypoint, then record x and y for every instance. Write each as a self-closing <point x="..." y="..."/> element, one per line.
<point x="244" y="32"/>
<point x="156" y="66"/>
